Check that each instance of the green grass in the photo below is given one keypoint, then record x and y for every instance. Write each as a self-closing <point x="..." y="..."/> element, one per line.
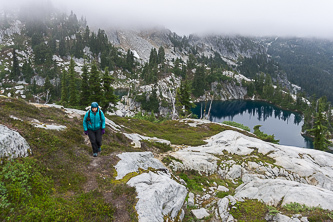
<point x="155" y="146"/>
<point x="222" y="194"/>
<point x="176" y="132"/>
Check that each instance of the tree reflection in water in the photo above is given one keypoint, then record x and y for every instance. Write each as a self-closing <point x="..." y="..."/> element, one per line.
<point x="252" y="113"/>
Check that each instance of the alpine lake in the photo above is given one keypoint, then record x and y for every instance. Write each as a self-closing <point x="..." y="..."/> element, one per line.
<point x="285" y="125"/>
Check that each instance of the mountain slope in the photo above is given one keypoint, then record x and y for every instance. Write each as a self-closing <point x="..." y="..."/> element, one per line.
<point x="307" y="62"/>
<point x="60" y="180"/>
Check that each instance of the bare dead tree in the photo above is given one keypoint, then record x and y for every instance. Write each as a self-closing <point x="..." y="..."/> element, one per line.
<point x="173" y="100"/>
<point x="48" y="96"/>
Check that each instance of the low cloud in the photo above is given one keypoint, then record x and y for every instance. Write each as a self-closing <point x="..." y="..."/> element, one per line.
<point x="303" y="18"/>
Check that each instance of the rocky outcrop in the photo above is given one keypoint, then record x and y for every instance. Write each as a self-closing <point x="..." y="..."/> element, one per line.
<point x="230" y="47"/>
<point x="36" y="123"/>
<point x="159" y="195"/>
<point x="132" y="162"/>
<point x="15" y="28"/>
<point x="271" y="173"/>
<point x="296" y="164"/>
<point x="141" y="42"/>
<point x="201" y="162"/>
<point x="165" y="90"/>
<point x="273" y="191"/>
<point x="224" y="91"/>
<point x="12" y="144"/>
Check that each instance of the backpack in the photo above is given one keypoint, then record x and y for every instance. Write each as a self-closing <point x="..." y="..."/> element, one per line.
<point x="100" y="116"/>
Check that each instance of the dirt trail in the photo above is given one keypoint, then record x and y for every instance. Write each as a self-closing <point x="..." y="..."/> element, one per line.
<point x="99" y="174"/>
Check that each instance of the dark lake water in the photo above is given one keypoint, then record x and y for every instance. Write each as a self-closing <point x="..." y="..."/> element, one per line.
<point x="285" y="125"/>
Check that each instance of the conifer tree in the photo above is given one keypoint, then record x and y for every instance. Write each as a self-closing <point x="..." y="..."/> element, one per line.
<point x="86" y="35"/>
<point x="153" y="102"/>
<point x="191" y="63"/>
<point x="95" y="85"/>
<point x="199" y="81"/>
<point x="161" y="55"/>
<point x="104" y="60"/>
<point x="176" y="68"/>
<point x="62" y="47"/>
<point x="84" y="97"/>
<point x="15" y="72"/>
<point x="34" y="87"/>
<point x="268" y="89"/>
<point x="64" y="94"/>
<point x="27" y="71"/>
<point x="72" y="85"/>
<point x="79" y="46"/>
<point x="109" y="96"/>
<point x="183" y="98"/>
<point x="153" y="58"/>
<point x="319" y="129"/>
<point x="129" y="60"/>
<point x="184" y="71"/>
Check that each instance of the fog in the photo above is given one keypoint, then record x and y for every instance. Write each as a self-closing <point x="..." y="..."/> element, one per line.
<point x="302" y="18"/>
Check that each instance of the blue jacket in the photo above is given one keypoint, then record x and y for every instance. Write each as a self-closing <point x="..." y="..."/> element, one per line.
<point x="95" y="122"/>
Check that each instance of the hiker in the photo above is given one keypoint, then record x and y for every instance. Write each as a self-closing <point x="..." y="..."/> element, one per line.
<point x="94" y="127"/>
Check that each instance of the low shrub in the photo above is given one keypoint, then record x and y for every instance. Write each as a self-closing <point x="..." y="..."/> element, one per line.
<point x="239" y="125"/>
<point x="249" y="210"/>
<point x="264" y="136"/>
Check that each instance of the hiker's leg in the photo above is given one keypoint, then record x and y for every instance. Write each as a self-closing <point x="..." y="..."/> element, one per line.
<point x="99" y="138"/>
<point x="92" y="137"/>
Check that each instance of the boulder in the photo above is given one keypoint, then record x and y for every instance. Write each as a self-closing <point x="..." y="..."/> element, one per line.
<point x="200" y="213"/>
<point x="202" y="162"/>
<point x="132" y="162"/>
<point x="278" y="218"/>
<point x="191" y="200"/>
<point x="235" y="172"/>
<point x="12" y="144"/>
<point x="158" y="196"/>
<point x="222" y="188"/>
<point x="222" y="205"/>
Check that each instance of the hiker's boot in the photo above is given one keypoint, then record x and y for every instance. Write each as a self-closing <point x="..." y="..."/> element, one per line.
<point x="99" y="149"/>
<point x="95" y="155"/>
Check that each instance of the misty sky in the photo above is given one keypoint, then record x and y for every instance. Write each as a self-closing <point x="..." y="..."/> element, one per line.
<point x="303" y="18"/>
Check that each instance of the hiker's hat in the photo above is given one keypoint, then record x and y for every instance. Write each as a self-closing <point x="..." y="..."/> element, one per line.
<point x="94" y="105"/>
